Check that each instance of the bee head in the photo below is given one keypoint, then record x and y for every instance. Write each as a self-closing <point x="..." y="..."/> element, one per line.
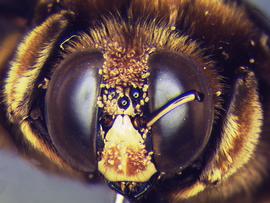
<point x="122" y="106"/>
<point x="132" y="92"/>
<point x="133" y="117"/>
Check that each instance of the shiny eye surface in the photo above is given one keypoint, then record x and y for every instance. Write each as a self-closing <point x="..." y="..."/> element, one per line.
<point x="123" y="102"/>
<point x="135" y="93"/>
<point x="71" y="108"/>
<point x="181" y="135"/>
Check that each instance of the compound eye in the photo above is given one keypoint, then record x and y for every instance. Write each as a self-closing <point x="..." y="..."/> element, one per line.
<point x="181" y="135"/>
<point x="70" y="109"/>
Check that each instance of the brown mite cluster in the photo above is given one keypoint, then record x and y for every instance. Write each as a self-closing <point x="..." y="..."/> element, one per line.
<point x="123" y="66"/>
<point x="112" y="159"/>
<point x="137" y="161"/>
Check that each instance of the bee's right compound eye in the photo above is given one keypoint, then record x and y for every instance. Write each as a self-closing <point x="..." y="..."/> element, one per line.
<point x="70" y="109"/>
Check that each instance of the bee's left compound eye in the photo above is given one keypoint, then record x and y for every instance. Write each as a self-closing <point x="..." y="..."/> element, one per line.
<point x="181" y="134"/>
<point x="70" y="108"/>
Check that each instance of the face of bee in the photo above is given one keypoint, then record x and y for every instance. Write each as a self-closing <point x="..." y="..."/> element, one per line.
<point x="122" y="119"/>
<point x="144" y="102"/>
